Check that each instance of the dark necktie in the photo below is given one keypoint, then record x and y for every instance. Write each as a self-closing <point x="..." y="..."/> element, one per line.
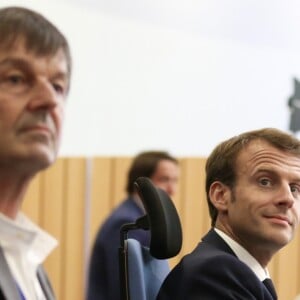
<point x="269" y="285"/>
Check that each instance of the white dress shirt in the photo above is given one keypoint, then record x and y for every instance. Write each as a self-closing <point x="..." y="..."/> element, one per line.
<point x="25" y="247"/>
<point x="244" y="256"/>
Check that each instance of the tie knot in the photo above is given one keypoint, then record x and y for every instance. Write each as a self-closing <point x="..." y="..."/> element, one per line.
<point x="269" y="285"/>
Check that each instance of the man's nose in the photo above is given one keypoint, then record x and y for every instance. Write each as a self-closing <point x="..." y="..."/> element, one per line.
<point x="286" y="196"/>
<point x="171" y="189"/>
<point x="43" y="96"/>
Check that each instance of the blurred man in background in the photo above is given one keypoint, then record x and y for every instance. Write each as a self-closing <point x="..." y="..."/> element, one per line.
<point x="103" y="280"/>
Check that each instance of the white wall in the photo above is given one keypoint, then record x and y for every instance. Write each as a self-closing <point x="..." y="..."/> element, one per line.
<point x="174" y="75"/>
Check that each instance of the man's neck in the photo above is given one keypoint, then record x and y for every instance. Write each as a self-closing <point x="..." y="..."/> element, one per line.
<point x="12" y="191"/>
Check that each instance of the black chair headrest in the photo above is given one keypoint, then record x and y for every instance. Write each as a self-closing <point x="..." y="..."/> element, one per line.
<point x="164" y="222"/>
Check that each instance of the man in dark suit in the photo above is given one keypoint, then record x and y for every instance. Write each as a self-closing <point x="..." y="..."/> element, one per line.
<point x="103" y="280"/>
<point x="253" y="194"/>
<point x="35" y="67"/>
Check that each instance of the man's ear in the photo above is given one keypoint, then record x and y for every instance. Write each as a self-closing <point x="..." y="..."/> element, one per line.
<point x="220" y="195"/>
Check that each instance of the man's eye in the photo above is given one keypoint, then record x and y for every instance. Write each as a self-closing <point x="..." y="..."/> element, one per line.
<point x="265" y="182"/>
<point x="295" y="189"/>
<point x="15" y="79"/>
<point x="14" y="83"/>
<point x="60" y="89"/>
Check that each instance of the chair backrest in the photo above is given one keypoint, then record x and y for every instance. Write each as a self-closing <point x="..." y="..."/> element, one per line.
<point x="145" y="272"/>
<point x="144" y="269"/>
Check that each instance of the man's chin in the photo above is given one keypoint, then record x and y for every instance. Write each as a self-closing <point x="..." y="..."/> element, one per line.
<point x="39" y="158"/>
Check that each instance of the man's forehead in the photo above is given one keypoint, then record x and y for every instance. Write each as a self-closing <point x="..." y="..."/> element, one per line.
<point x="14" y="44"/>
<point x="19" y="47"/>
<point x="259" y="152"/>
<point x="253" y="149"/>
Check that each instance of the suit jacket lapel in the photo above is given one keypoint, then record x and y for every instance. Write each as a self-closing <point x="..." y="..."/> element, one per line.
<point x="45" y="284"/>
<point x="213" y="238"/>
<point x="7" y="283"/>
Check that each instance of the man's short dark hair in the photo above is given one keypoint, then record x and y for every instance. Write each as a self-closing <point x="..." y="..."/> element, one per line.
<point x="221" y="164"/>
<point x="39" y="35"/>
<point x="144" y="165"/>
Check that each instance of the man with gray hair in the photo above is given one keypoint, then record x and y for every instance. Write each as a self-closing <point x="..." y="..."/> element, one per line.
<point x="35" y="69"/>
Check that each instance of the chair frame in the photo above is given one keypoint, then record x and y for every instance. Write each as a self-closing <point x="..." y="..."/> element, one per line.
<point x="161" y="219"/>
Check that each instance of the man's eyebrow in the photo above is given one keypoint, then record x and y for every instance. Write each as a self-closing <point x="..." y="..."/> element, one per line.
<point x="61" y="75"/>
<point x="14" y="61"/>
<point x="272" y="172"/>
<point x="21" y="63"/>
<point x="24" y="65"/>
<point x="265" y="170"/>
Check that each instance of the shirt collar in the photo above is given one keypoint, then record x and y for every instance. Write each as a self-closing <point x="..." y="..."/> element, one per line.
<point x="23" y="235"/>
<point x="244" y="256"/>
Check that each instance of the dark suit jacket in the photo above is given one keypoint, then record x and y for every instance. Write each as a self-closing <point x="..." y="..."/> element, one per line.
<point x="212" y="272"/>
<point x="8" y="288"/>
<point x="103" y="280"/>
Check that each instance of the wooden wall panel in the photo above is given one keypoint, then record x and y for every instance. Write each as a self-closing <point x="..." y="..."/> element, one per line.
<point x="194" y="212"/>
<point x="177" y="199"/>
<point x="119" y="179"/>
<point x="101" y="194"/>
<point x="287" y="275"/>
<point x="73" y="243"/>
